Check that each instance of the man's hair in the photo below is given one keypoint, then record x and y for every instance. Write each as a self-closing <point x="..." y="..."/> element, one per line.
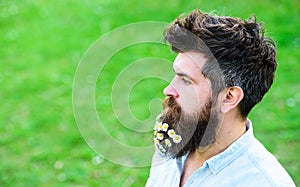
<point x="246" y="57"/>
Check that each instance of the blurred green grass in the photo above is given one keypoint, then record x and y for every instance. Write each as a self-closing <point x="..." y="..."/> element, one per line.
<point x="41" y="45"/>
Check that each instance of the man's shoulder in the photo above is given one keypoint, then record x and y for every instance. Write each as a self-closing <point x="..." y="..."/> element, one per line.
<point x="261" y="165"/>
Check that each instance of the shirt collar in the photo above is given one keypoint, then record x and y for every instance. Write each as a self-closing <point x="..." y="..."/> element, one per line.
<point x="220" y="161"/>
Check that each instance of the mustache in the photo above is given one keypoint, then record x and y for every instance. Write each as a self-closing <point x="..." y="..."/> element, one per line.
<point x="169" y="102"/>
<point x="171" y="110"/>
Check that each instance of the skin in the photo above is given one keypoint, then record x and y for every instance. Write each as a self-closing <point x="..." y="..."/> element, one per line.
<point x="191" y="89"/>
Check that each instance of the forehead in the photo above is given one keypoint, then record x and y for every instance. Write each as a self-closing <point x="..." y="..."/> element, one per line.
<point x="190" y="63"/>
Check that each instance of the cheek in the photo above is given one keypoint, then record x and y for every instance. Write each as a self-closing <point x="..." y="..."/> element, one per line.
<point x="193" y="98"/>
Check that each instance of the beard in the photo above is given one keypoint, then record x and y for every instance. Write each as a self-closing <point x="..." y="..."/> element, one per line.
<point x="197" y="131"/>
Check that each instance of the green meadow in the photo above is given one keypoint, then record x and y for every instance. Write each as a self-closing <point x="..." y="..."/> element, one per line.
<point x="41" y="46"/>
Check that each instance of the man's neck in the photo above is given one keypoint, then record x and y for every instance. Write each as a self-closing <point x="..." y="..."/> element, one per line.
<point x="229" y="132"/>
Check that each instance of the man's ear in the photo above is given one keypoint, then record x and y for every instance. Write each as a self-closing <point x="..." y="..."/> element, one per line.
<point x="233" y="97"/>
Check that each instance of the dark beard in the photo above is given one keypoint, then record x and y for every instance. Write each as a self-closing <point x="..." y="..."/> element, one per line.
<point x="193" y="129"/>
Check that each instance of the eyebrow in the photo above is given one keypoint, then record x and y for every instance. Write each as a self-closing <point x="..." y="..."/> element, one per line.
<point x="181" y="74"/>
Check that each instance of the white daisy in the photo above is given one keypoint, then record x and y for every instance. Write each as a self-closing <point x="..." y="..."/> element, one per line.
<point x="165" y="127"/>
<point x="156" y="141"/>
<point x="159" y="136"/>
<point x="160" y="126"/>
<point x="177" y="138"/>
<point x="168" y="142"/>
<point x="157" y="126"/>
<point x="171" y="133"/>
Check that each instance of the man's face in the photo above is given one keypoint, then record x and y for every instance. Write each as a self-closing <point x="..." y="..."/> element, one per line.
<point x="189" y="87"/>
<point x="187" y="109"/>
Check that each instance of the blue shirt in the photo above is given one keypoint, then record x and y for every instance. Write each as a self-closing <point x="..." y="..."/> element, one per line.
<point x="246" y="162"/>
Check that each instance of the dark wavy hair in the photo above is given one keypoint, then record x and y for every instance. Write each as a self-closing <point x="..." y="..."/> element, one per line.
<point x="246" y="58"/>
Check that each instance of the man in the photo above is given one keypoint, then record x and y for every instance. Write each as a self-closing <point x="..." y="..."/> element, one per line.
<point x="203" y="137"/>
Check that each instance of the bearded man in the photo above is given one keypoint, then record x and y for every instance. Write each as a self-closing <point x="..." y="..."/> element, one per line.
<point x="223" y="69"/>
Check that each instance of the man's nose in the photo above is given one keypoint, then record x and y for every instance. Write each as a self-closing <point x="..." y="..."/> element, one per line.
<point x="171" y="91"/>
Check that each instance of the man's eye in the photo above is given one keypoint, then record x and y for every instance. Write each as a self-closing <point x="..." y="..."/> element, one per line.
<point x="186" y="81"/>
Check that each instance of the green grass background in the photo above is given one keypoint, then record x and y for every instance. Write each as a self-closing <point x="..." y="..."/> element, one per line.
<point x="41" y="44"/>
